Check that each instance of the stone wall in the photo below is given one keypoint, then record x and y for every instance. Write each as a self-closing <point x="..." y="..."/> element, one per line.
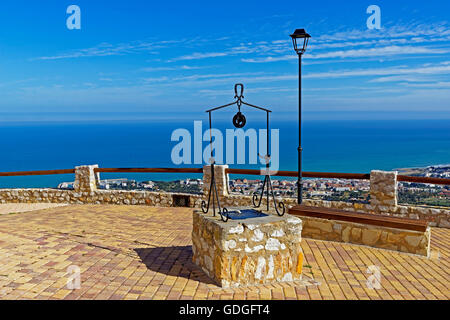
<point x="221" y="178"/>
<point x="383" y="189"/>
<point x="409" y="241"/>
<point x="158" y="199"/>
<point x="383" y="201"/>
<point x="383" y="196"/>
<point x="248" y="252"/>
<point x="86" y="192"/>
<point x="86" y="180"/>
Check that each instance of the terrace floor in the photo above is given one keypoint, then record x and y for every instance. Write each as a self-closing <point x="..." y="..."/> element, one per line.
<point x="8" y="208"/>
<point x="136" y="252"/>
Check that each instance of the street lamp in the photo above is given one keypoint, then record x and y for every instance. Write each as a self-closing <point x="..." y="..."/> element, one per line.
<point x="300" y="41"/>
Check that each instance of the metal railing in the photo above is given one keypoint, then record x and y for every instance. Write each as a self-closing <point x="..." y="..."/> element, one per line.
<point x="327" y="175"/>
<point x="429" y="180"/>
<point x="149" y="170"/>
<point x="37" y="173"/>
<point x="360" y="176"/>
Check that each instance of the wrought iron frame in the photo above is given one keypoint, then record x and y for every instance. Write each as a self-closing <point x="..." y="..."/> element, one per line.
<point x="213" y="190"/>
<point x="267" y="180"/>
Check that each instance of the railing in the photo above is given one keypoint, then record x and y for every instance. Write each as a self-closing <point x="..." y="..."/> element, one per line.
<point x="149" y="170"/>
<point x="360" y="176"/>
<point x="334" y="175"/>
<point x="327" y="175"/>
<point x="429" y="180"/>
<point x="37" y="173"/>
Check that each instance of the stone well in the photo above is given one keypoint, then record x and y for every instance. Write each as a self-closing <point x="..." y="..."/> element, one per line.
<point x="248" y="252"/>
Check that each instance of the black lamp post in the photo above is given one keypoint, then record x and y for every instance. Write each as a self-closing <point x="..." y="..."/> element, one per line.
<point x="300" y="41"/>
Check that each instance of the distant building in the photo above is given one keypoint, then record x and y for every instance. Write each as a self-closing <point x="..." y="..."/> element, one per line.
<point x="65" y="185"/>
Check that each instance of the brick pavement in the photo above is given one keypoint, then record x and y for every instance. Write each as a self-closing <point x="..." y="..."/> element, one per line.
<point x="9" y="208"/>
<point x="138" y="252"/>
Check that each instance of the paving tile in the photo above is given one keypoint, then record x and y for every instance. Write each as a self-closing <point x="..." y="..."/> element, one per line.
<point x="138" y="252"/>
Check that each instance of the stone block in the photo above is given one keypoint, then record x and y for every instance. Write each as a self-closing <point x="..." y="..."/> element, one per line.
<point x="370" y="236"/>
<point x="383" y="188"/>
<point x="248" y="252"/>
<point x="221" y="179"/>
<point x="86" y="179"/>
<point x="414" y="242"/>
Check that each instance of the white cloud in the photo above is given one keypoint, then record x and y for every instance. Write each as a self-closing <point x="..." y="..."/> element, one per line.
<point x="402" y="73"/>
<point x="211" y="76"/>
<point x="191" y="67"/>
<point x="378" y="52"/>
<point x="107" y="49"/>
<point x="199" y="55"/>
<point x="434" y="85"/>
<point x="436" y="69"/>
<point x="226" y="92"/>
<point x="400" y="40"/>
<point x="355" y="53"/>
<point x="174" y="68"/>
<point x="271" y="59"/>
<point x="152" y="69"/>
<point x="397" y="31"/>
<point x="404" y="78"/>
<point x="156" y="79"/>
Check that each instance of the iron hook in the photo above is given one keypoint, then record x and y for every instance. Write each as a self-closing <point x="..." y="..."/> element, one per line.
<point x="241" y="95"/>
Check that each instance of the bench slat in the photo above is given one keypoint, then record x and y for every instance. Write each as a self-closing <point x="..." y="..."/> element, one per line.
<point x="359" y="217"/>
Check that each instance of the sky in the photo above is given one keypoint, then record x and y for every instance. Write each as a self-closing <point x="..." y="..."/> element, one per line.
<point x="165" y="59"/>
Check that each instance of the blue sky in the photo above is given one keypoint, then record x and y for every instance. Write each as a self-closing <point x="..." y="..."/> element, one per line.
<point x="164" y="59"/>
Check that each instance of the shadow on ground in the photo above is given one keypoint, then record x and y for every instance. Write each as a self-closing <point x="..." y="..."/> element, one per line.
<point x="173" y="261"/>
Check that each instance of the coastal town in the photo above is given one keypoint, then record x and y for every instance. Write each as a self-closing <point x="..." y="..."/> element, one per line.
<point x="319" y="189"/>
<point x="425" y="194"/>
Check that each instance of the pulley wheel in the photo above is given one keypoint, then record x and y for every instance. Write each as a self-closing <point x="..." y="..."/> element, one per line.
<point x="239" y="120"/>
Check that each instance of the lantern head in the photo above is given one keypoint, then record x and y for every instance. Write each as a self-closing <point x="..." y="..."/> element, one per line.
<point x="300" y="40"/>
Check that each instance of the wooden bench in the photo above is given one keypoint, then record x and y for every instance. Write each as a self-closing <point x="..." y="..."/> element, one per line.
<point x="380" y="231"/>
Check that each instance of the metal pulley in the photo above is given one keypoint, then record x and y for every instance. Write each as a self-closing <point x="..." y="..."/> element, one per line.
<point x="239" y="120"/>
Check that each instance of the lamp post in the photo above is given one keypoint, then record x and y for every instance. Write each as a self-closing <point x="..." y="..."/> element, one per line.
<point x="300" y="41"/>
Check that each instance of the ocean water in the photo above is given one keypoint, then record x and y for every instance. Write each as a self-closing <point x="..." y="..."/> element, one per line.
<point x="329" y="146"/>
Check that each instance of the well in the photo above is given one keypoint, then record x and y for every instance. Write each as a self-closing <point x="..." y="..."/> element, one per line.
<point x="248" y="251"/>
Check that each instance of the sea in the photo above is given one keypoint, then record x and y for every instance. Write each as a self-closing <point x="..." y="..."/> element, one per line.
<point x="356" y="146"/>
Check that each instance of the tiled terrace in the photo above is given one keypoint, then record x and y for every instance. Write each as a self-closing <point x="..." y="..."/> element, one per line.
<point x="134" y="252"/>
<point x="8" y="208"/>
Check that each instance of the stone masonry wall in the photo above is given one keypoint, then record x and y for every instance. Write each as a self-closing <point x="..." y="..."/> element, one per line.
<point x="437" y="217"/>
<point x="409" y="241"/>
<point x="248" y="252"/>
<point x="221" y="180"/>
<point x="383" y="196"/>
<point x="158" y="199"/>
<point x="86" y="180"/>
<point x="383" y="189"/>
